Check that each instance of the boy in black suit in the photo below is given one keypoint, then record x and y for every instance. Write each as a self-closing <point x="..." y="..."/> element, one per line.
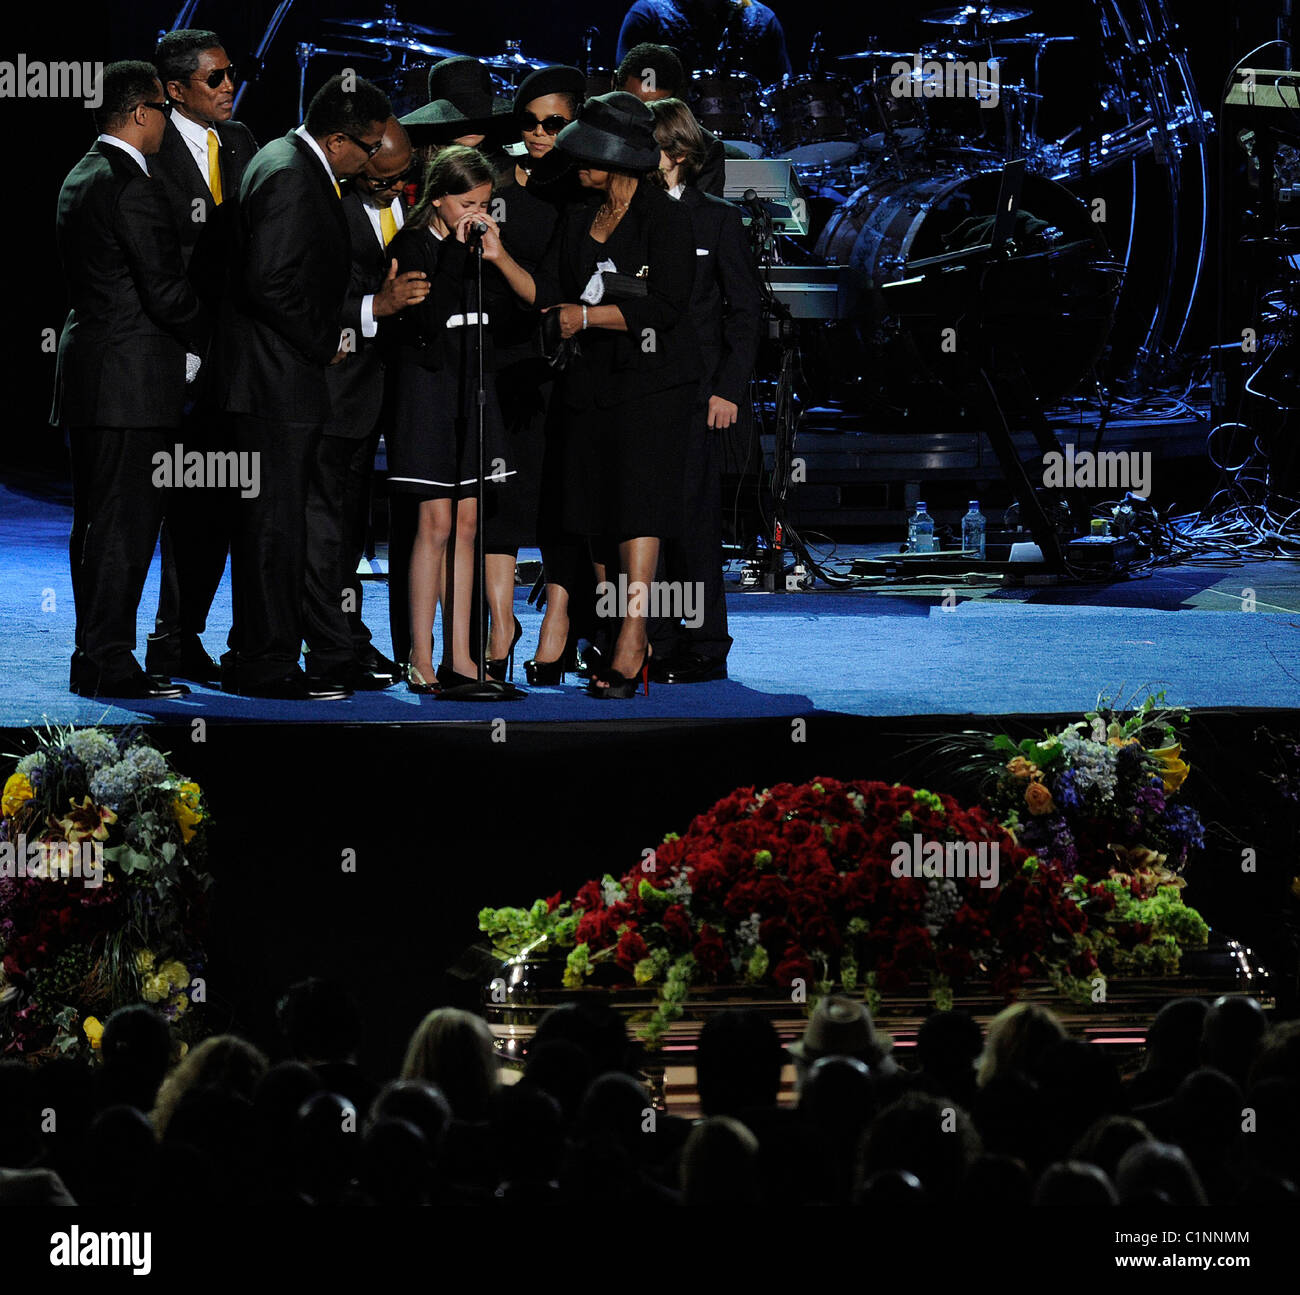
<point x="726" y="309"/>
<point x="120" y="379"/>
<point x="290" y="270"/>
<point x="200" y="165"/>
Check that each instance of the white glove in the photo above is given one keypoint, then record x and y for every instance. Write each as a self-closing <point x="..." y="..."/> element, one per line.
<point x="192" y="366"/>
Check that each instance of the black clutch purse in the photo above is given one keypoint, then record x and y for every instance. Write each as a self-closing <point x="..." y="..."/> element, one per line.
<point x="622" y="287"/>
<point x="556" y="350"/>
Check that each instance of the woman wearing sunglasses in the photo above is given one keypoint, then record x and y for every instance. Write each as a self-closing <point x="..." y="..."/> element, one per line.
<point x="618" y="275"/>
<point x="527" y="206"/>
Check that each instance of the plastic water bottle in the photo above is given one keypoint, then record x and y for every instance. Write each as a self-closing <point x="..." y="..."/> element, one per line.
<point x="972" y="530"/>
<point x="920" y="531"/>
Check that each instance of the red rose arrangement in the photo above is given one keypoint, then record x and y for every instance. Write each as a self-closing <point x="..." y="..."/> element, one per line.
<point x="802" y="887"/>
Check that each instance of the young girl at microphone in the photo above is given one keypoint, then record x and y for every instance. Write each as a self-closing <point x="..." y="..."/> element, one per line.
<point x="433" y="445"/>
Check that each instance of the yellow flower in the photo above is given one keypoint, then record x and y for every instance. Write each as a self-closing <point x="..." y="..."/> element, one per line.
<point x="87" y="820"/>
<point x="176" y="973"/>
<point x="185" y="808"/>
<point x="94" y="1031"/>
<point x="1019" y="767"/>
<point x="144" y="961"/>
<point x="154" y="989"/>
<point x="180" y="1003"/>
<point x="18" y="791"/>
<point x="1174" y="768"/>
<point x="1295" y="887"/>
<point x="1039" y="799"/>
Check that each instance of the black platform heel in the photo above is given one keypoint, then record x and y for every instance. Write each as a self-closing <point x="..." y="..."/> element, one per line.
<point x="621" y="687"/>
<point x="497" y="667"/>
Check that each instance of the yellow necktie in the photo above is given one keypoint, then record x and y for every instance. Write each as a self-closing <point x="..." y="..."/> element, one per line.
<point x="338" y="193"/>
<point x="387" y="225"/>
<point x="214" y="167"/>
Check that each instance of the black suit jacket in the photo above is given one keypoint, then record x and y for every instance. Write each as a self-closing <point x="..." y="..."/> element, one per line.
<point x="356" y="385"/>
<point x="134" y="314"/>
<point x="659" y="349"/>
<point x="713" y="170"/>
<point x="726" y="303"/>
<point x="203" y="227"/>
<point x="289" y="272"/>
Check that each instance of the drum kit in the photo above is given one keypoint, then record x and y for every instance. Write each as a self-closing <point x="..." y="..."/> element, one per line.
<point x="901" y="147"/>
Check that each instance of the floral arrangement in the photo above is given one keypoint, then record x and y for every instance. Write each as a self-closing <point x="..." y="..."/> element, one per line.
<point x="1101" y="799"/>
<point x="803" y="885"/>
<point x="102" y="893"/>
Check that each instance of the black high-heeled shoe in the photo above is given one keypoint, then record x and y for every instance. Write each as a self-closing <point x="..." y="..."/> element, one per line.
<point x="497" y="667"/>
<point x="542" y="674"/>
<point x="620" y="687"/>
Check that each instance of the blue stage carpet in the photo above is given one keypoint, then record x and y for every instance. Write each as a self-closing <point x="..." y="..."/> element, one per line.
<point x="856" y="653"/>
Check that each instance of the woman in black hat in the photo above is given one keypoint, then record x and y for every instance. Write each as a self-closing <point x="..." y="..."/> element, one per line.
<point x="463" y="108"/>
<point x="629" y="388"/>
<point x="432" y="449"/>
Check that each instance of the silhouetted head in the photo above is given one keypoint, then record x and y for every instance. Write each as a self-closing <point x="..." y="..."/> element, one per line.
<point x="925" y="1135"/>
<point x="719" y="1165"/>
<point x="1075" y="1183"/>
<point x="838" y="1096"/>
<point x="1018" y="1037"/>
<point x="596" y="1028"/>
<point x="1174" y="1037"/>
<point x="395" y="1163"/>
<point x="1233" y="1031"/>
<point x="1157" y="1173"/>
<point x="419" y="1102"/>
<point x="738" y="1061"/>
<point x="453" y="1049"/>
<point x="134" y="1050"/>
<point x="563" y="1069"/>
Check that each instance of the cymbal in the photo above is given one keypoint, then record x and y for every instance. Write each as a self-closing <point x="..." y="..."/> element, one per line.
<point x="411" y="46"/>
<point x="390" y="27"/>
<point x="873" y="53"/>
<point x="985" y="13"/>
<point x="512" y="60"/>
<point x="1032" y="38"/>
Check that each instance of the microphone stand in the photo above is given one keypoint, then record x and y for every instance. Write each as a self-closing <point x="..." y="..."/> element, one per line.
<point x="483" y="689"/>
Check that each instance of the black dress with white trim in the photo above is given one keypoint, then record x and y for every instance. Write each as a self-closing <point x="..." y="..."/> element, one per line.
<point x="432" y="450"/>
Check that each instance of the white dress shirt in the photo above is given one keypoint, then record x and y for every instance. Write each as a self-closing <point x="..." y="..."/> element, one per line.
<point x="196" y="140"/>
<point x="126" y="148"/>
<point x="368" y="325"/>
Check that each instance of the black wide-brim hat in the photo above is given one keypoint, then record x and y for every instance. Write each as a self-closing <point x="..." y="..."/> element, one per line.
<point x="461" y="95"/>
<point x="443" y="113"/>
<point x="550" y="80"/>
<point x="614" y="130"/>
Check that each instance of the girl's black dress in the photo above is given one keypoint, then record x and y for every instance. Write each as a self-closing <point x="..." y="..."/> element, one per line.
<point x="432" y="450"/>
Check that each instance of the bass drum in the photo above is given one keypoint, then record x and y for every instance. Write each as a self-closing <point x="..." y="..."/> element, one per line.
<point x="1050" y="319"/>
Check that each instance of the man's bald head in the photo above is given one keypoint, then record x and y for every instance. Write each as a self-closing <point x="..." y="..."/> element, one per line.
<point x="387" y="171"/>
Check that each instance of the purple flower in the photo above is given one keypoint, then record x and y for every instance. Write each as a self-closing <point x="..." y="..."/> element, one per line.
<point x="1066" y="791"/>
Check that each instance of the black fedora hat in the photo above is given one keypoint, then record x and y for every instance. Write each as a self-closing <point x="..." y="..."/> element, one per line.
<point x="550" y="80"/>
<point x="612" y="130"/>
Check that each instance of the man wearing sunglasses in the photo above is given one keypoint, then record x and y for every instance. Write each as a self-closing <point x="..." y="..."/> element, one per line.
<point x="200" y="164"/>
<point x="338" y="497"/>
<point x="290" y="269"/>
<point x="120" y="376"/>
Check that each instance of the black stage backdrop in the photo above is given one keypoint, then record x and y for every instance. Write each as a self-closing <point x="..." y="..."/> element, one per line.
<point x="45" y="137"/>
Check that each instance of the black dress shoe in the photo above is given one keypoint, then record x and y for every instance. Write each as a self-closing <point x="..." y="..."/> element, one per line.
<point x="294" y="687"/>
<point x="371" y="680"/>
<point x="136" y="687"/>
<point x="377" y="663"/>
<point x="181" y="656"/>
<point x="691" y="667"/>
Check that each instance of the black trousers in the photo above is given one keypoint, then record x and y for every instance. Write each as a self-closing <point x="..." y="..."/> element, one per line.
<point x="695" y="557"/>
<point x="195" y="537"/>
<point x="116" y="513"/>
<point x="338" y="505"/>
<point x="268" y="551"/>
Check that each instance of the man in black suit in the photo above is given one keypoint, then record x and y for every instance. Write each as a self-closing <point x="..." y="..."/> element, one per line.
<point x="120" y="378"/>
<point x="726" y="309"/>
<point x="200" y="165"/>
<point x="290" y="269"/>
<point x="338" y="494"/>
<point x="667" y="80"/>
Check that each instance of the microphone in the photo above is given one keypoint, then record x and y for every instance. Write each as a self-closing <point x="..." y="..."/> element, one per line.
<point x="476" y="230"/>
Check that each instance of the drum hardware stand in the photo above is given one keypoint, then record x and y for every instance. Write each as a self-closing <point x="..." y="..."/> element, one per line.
<point x="483" y="689"/>
<point x="969" y="276"/>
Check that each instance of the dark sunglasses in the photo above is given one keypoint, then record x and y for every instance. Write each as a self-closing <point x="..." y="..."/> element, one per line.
<point x="146" y="103"/>
<point x="377" y="184"/>
<point x="368" y="149"/>
<point x="552" y="125"/>
<point x="218" y="75"/>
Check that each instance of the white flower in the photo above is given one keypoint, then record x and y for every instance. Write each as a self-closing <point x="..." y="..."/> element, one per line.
<point x="93" y="747"/>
